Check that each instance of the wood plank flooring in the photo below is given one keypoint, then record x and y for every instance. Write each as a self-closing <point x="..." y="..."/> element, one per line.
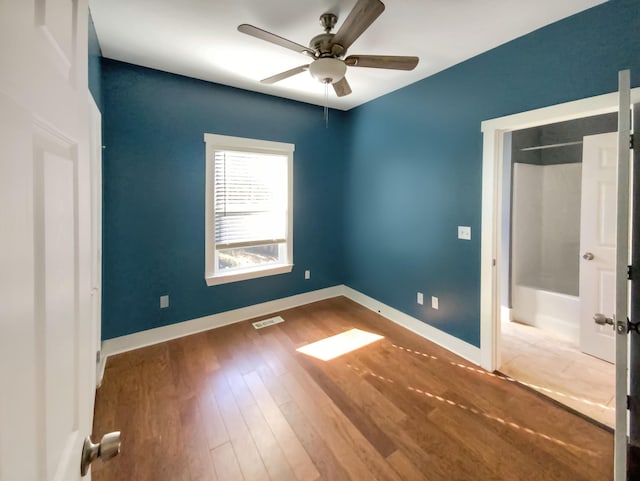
<point x="239" y="404"/>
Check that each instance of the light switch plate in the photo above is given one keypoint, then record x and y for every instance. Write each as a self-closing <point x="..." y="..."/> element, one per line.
<point x="434" y="302"/>
<point x="420" y="298"/>
<point x="464" y="232"/>
<point x="307" y="274"/>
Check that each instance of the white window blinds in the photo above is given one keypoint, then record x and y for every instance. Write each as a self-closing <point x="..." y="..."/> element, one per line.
<point x="250" y="199"/>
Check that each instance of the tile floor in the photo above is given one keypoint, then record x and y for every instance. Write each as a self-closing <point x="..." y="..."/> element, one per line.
<point x="559" y="370"/>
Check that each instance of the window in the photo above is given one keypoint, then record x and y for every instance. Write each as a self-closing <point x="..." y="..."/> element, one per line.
<point x="249" y="208"/>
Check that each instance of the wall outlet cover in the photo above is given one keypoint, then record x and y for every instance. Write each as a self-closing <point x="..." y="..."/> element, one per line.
<point x="164" y="302"/>
<point x="420" y="298"/>
<point x="434" y="302"/>
<point x="464" y="232"/>
<point x="307" y="274"/>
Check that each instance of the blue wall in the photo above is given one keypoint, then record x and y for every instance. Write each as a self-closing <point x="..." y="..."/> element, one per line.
<point x="95" y="71"/>
<point x="415" y="160"/>
<point x="154" y="190"/>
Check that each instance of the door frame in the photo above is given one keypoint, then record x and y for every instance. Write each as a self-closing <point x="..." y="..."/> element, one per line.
<point x="95" y="167"/>
<point x="493" y="131"/>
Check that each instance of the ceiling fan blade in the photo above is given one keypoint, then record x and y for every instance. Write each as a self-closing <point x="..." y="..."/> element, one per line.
<point x="363" y="14"/>
<point x="382" y="61"/>
<point x="284" y="75"/>
<point x="275" y="39"/>
<point x="342" y="87"/>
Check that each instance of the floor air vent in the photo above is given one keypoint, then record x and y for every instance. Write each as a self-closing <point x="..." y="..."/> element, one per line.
<point x="267" y="322"/>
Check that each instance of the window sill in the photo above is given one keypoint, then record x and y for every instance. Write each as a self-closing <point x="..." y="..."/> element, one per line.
<point x="214" y="280"/>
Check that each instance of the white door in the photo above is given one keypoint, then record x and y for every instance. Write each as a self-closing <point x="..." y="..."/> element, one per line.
<point x="47" y="354"/>
<point x="598" y="243"/>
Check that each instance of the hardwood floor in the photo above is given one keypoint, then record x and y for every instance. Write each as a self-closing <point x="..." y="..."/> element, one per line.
<point x="241" y="404"/>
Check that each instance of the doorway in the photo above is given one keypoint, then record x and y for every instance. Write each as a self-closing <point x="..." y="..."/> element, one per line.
<point x="554" y="175"/>
<point x="491" y="237"/>
<point x="494" y="200"/>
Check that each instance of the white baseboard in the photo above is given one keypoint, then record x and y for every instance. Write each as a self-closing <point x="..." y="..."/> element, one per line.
<point x="157" y="335"/>
<point x="451" y="343"/>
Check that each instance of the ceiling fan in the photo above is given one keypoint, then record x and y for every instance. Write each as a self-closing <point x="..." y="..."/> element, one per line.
<point x="328" y="49"/>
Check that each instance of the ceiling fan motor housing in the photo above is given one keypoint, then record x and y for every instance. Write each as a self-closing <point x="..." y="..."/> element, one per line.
<point x="324" y="47"/>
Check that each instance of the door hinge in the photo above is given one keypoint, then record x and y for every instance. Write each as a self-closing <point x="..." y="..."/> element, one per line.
<point x="629" y="273"/>
<point x="631" y="141"/>
<point x="628" y="402"/>
<point x="97" y="356"/>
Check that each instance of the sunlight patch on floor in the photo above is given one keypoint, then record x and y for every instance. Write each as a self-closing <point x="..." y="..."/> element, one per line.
<point x="335" y="346"/>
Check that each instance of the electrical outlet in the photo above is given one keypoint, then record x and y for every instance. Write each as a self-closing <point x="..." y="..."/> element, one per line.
<point x="434" y="302"/>
<point x="164" y="302"/>
<point x="307" y="274"/>
<point x="420" y="298"/>
<point x="464" y="232"/>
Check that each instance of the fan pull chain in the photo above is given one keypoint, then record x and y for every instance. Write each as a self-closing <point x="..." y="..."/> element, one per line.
<point x="326" y="105"/>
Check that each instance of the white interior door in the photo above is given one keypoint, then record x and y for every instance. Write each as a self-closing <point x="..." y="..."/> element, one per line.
<point x="598" y="243"/>
<point x="46" y="346"/>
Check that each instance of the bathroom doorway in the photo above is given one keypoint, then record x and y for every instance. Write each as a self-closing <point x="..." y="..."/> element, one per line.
<point x="558" y="236"/>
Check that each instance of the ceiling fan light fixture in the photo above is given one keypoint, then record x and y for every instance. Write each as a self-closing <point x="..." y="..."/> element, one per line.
<point x="328" y="70"/>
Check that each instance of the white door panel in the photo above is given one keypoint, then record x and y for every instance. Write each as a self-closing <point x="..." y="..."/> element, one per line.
<point x="56" y="293"/>
<point x="598" y="237"/>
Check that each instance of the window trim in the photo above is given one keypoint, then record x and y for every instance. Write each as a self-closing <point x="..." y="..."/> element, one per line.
<point x="215" y="142"/>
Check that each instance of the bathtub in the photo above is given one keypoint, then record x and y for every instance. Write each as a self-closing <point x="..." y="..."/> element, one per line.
<point x="551" y="311"/>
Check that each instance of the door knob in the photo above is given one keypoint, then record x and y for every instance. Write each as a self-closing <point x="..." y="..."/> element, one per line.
<point x="107" y="448"/>
<point x="588" y="256"/>
<point x="602" y="319"/>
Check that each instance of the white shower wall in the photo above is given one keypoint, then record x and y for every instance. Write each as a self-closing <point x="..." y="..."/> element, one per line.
<point x="546" y="226"/>
<point x="546" y="246"/>
<point x="526" y="230"/>
<point x="561" y="227"/>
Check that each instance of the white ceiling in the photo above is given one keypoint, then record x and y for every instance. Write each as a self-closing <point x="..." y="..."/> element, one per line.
<point x="199" y="38"/>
